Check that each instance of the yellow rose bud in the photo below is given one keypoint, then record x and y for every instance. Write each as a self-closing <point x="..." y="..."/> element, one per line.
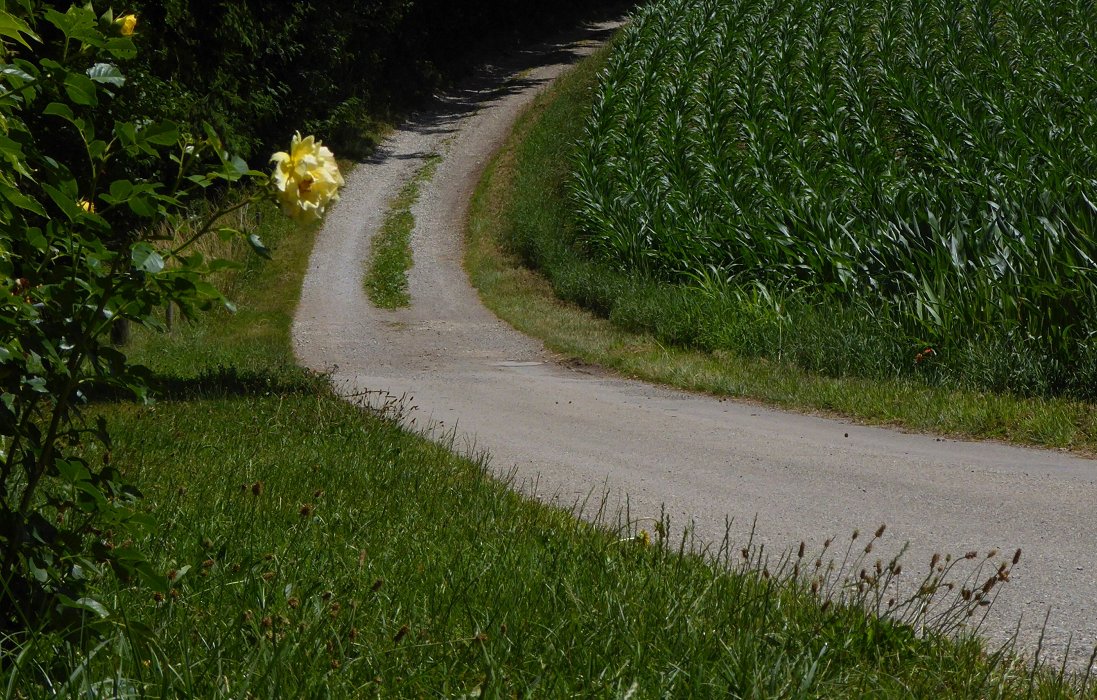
<point x="87" y="206"/>
<point x="126" y="24"/>
<point x="307" y="178"/>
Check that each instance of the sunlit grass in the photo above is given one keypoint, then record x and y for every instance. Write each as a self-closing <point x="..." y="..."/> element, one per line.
<point x="390" y="260"/>
<point x="521" y="216"/>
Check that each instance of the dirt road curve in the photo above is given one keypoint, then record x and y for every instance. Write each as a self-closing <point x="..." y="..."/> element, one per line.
<point x="573" y="433"/>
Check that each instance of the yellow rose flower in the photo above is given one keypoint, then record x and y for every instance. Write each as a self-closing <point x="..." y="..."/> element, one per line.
<point x="307" y="178"/>
<point x="87" y="206"/>
<point x="126" y="24"/>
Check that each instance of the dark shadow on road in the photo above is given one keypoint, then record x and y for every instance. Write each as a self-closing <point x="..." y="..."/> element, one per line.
<point x="491" y="83"/>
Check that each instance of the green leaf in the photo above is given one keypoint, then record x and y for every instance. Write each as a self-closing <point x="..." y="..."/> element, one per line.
<point x="258" y="246"/>
<point x="60" y="109"/>
<point x="126" y="133"/>
<point x="81" y="89"/>
<point x="16" y="72"/>
<point x="72" y="470"/>
<point x="39" y="573"/>
<point x="21" y="200"/>
<point x="121" y="47"/>
<point x="120" y="190"/>
<point x="107" y="74"/>
<point x="15" y="28"/>
<point x="146" y="259"/>
<point x="65" y="201"/>
<point x="76" y="24"/>
<point x="36" y="239"/>
<point x="91" y="605"/>
<point x="160" y="133"/>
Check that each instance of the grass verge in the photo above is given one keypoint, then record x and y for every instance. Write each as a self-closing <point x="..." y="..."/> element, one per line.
<point x="520" y="219"/>
<point x="386" y="280"/>
<point x="314" y="549"/>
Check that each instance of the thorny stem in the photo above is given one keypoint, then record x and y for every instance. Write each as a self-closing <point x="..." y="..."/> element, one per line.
<point x="209" y="224"/>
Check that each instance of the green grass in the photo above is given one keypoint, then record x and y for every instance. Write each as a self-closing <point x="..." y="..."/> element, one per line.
<point x="521" y="219"/>
<point x="317" y="550"/>
<point x="843" y="184"/>
<point x="386" y="280"/>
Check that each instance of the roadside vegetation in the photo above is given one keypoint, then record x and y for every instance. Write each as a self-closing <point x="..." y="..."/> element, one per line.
<point x="251" y="533"/>
<point x="874" y="188"/>
<point x="312" y="548"/>
<point x="390" y="260"/>
<point x="794" y="349"/>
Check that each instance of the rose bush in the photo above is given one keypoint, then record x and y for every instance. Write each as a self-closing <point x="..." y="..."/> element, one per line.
<point x="88" y="201"/>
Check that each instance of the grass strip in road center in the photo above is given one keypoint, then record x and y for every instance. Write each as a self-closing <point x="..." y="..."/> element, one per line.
<point x="386" y="280"/>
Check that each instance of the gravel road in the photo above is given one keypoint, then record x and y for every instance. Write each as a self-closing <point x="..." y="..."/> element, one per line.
<point x="569" y="433"/>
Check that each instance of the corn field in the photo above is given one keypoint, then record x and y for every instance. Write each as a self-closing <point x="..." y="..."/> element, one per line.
<point x="929" y="163"/>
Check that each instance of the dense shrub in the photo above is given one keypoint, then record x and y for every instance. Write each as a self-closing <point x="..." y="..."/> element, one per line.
<point x="255" y="68"/>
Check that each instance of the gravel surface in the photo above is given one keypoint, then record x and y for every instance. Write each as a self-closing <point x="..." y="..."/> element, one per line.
<point x="573" y="436"/>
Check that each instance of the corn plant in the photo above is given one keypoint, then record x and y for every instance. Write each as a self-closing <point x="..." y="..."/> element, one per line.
<point x="929" y="164"/>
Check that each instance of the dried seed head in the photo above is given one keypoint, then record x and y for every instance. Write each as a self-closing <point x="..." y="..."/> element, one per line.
<point x="293" y="603"/>
<point x="745" y="552"/>
<point x="800" y="553"/>
<point x="827" y="542"/>
<point x="856" y="534"/>
<point x="934" y="561"/>
<point x="880" y="530"/>
<point x="1017" y="556"/>
<point x="868" y="547"/>
<point x="965" y="594"/>
<point x="257" y="488"/>
<point x="815" y="586"/>
<point x="992" y="553"/>
<point x="377" y="585"/>
<point x="306" y="510"/>
<point x="403" y="632"/>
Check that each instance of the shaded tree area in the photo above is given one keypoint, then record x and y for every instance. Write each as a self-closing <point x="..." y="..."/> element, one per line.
<point x="253" y="68"/>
